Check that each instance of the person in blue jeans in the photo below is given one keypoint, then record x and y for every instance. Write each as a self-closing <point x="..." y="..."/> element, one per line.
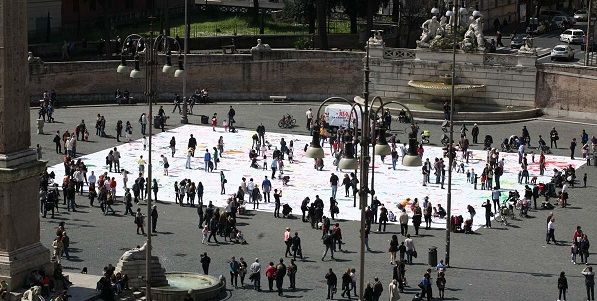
<point x="207" y="159"/>
<point x="234" y="267"/>
<point x="334" y="183"/>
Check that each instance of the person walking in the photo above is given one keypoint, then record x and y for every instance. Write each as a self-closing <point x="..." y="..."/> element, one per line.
<point x="410" y="249"/>
<point x="287" y="242"/>
<point x="441" y="283"/>
<point x="328" y="243"/>
<point x="334" y="184"/>
<point x="256" y="275"/>
<point x="309" y="115"/>
<point x="332" y="282"/>
<point x="173" y="145"/>
<point x="346" y="280"/>
<point x="383" y="218"/>
<point x="393" y="248"/>
<point x="403" y="219"/>
<point x="562" y="286"/>
<point x="234" y="267"/>
<point x="280" y="273"/>
<point x="551" y="229"/>
<point x="393" y="290"/>
<point x="223" y="182"/>
<point x="291" y="271"/>
<point x="213" y="229"/>
<point x="139" y="221"/>
<point x="589" y="282"/>
<point x="205" y="261"/>
<point x="296" y="246"/>
<point x="377" y="289"/>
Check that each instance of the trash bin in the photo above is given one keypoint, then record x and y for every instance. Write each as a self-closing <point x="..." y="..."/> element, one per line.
<point x="433" y="256"/>
<point x="157" y="122"/>
<point x="204" y="119"/>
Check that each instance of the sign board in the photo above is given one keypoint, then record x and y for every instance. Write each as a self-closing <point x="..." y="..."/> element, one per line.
<point x="338" y="115"/>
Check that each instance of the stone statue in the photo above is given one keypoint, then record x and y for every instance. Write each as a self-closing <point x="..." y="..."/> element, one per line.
<point x="444" y="26"/>
<point x="260" y="47"/>
<point x="528" y="48"/>
<point x="412" y="141"/>
<point x="478" y="26"/>
<point x="32" y="294"/>
<point x="134" y="254"/>
<point x="430" y="29"/>
<point x="376" y="39"/>
<point x="469" y="43"/>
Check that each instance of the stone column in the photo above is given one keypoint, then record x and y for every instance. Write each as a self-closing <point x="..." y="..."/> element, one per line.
<point x="20" y="247"/>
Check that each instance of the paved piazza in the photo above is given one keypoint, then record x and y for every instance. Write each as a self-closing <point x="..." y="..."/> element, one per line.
<point x="391" y="186"/>
<point x="503" y="263"/>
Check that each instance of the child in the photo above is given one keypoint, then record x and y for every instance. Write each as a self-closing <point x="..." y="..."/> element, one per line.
<point x="281" y="168"/>
<point x="144" y="143"/>
<point x="214" y="121"/>
<point x="573" y="252"/>
<point x="205" y="233"/>
<point x="468" y="175"/>
<point x="225" y="124"/>
<point x="483" y="179"/>
<point x="85" y="135"/>
<point x="264" y="162"/>
<point x="290" y="155"/>
<point x="533" y="157"/>
<point x="584" y="180"/>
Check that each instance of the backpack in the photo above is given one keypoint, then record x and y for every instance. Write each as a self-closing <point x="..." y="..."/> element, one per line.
<point x="327" y="240"/>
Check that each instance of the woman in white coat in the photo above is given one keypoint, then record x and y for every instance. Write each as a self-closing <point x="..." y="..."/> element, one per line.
<point x="393" y="290"/>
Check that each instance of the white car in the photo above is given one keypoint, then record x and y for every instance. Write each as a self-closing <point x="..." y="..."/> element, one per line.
<point x="562" y="52"/>
<point x="581" y="15"/>
<point x="572" y="36"/>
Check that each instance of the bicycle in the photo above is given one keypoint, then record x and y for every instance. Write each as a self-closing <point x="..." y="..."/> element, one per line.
<point x="287" y="122"/>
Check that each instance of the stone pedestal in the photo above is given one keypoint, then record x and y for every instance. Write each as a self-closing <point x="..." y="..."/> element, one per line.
<point x="40" y="126"/>
<point x="133" y="264"/>
<point x="20" y="249"/>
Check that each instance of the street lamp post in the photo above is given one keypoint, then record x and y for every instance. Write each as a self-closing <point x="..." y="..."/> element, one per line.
<point x="147" y="50"/>
<point x="184" y="119"/>
<point x="451" y="142"/>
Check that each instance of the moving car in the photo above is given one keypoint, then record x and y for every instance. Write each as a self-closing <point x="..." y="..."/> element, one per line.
<point x="562" y="52"/>
<point x="518" y="40"/>
<point x="572" y="36"/>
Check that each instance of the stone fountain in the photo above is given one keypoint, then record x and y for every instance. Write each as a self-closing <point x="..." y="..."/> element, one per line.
<point x="167" y="286"/>
<point x="442" y="88"/>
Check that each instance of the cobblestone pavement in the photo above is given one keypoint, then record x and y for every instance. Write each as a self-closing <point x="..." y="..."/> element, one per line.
<point x="512" y="262"/>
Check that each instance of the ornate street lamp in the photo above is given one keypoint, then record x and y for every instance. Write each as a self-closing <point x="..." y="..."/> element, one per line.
<point x="152" y="47"/>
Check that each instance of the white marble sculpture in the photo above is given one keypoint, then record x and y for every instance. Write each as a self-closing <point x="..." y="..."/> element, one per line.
<point x="260" y="47"/>
<point x="430" y="29"/>
<point x="528" y="48"/>
<point x="376" y="39"/>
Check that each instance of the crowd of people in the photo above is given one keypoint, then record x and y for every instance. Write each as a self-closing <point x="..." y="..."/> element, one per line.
<point x="221" y="223"/>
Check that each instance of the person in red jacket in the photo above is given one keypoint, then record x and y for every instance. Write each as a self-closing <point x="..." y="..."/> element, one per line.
<point x="270" y="273"/>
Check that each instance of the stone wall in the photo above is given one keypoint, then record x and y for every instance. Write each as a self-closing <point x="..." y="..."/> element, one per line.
<point x="300" y="75"/>
<point x="567" y="91"/>
<point x="509" y="79"/>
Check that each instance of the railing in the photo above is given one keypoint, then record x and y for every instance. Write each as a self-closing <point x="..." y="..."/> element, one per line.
<point x="398" y="53"/>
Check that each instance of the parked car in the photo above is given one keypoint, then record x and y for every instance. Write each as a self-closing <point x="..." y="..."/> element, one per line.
<point x="572" y="36"/>
<point x="581" y="15"/>
<point x="562" y="52"/>
<point x="563" y="22"/>
<point x="518" y="40"/>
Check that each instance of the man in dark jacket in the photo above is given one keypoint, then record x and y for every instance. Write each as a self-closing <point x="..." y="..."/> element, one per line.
<point x="205" y="261"/>
<point x="332" y="282"/>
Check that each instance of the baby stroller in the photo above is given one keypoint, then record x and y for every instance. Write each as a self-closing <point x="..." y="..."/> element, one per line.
<point x="505" y="146"/>
<point x="425" y="136"/>
<point x="456" y="222"/>
<point x="445" y="126"/>
<point x="286" y="210"/>
<point x="285" y="180"/>
<point x="487" y="142"/>
<point x="468" y="226"/>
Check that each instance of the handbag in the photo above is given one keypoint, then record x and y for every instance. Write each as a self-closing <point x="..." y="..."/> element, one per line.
<point x="415" y="254"/>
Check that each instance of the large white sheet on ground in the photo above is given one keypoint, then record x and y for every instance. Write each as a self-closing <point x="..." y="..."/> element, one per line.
<point x="391" y="186"/>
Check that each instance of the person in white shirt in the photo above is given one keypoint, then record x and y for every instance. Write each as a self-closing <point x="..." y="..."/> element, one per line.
<point x="309" y="115"/>
<point x="410" y="248"/>
<point x="551" y="229"/>
<point x="125" y="178"/>
<point x="403" y="218"/>
<point x="256" y="274"/>
<point x="91" y="180"/>
<point x="250" y="187"/>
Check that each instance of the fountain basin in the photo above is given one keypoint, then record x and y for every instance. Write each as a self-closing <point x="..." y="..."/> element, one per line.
<point x="201" y="287"/>
<point x="443" y="90"/>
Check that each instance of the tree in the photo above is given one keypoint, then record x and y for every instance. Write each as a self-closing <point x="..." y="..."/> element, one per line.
<point x="412" y="14"/>
<point x="322" y="29"/>
<point x="351" y="8"/>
